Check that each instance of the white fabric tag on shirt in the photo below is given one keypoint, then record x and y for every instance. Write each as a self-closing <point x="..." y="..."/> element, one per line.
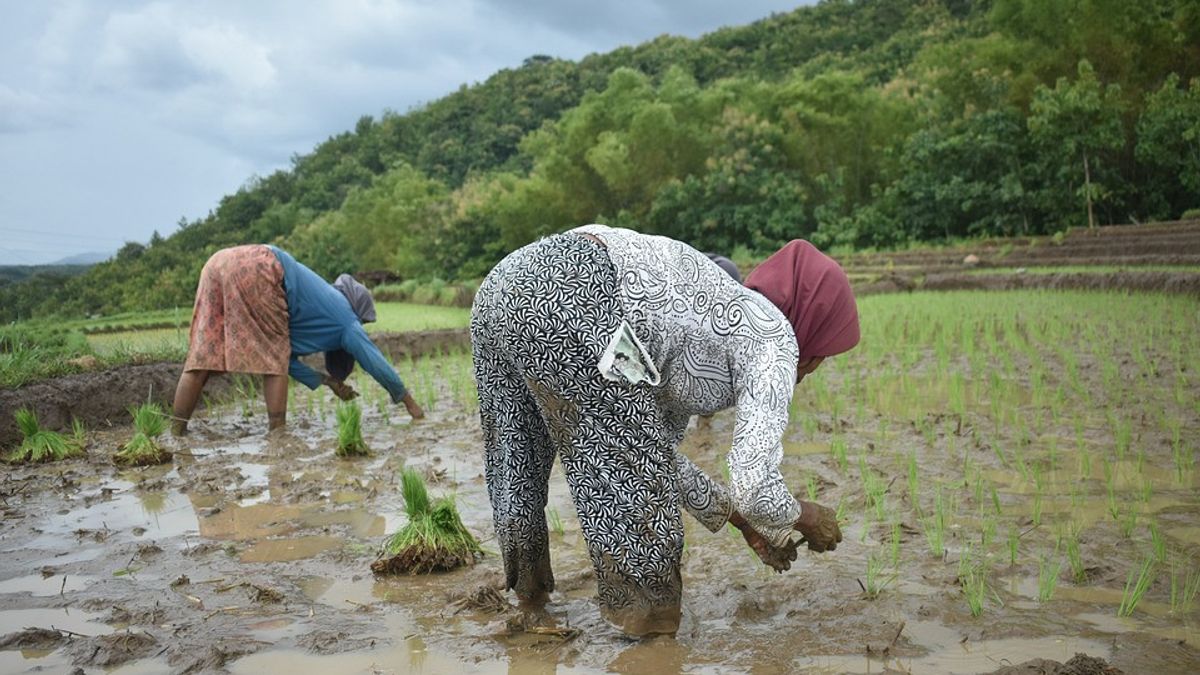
<point x="626" y="359"/>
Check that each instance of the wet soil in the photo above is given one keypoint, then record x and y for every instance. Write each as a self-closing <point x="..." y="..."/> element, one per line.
<point x="252" y="553"/>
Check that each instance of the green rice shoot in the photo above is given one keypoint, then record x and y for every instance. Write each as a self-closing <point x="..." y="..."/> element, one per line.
<point x="434" y="540"/>
<point x="350" y="441"/>
<point x="149" y="422"/>
<point x="41" y="445"/>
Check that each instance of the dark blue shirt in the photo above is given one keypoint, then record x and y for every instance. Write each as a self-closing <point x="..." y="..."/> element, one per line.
<point x="320" y="319"/>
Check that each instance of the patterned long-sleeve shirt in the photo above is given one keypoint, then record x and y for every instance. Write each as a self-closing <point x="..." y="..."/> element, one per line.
<point x="715" y="344"/>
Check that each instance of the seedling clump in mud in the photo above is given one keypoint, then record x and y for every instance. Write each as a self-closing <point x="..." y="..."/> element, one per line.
<point x="143" y="450"/>
<point x="350" y="441"/>
<point x="434" y="540"/>
<point x="43" y="445"/>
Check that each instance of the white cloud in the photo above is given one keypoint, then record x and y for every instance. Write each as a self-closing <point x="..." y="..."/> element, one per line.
<point x="143" y="111"/>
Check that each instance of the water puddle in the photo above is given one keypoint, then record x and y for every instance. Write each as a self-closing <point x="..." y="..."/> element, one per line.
<point x="339" y="593"/>
<point x="65" y="618"/>
<point x="42" y="660"/>
<point x="40" y="586"/>
<point x="948" y="653"/>
<point x="409" y="654"/>
<point x="282" y="550"/>
<point x="161" y="515"/>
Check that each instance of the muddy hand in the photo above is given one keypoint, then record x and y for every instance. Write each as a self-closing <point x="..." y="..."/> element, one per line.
<point x="778" y="558"/>
<point x="340" y="389"/>
<point x="818" y="527"/>
<point x="414" y="409"/>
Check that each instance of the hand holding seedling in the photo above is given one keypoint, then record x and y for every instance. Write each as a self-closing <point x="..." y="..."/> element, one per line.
<point x="818" y="527"/>
<point x="778" y="558"/>
<point x="340" y="389"/>
<point x="413" y="407"/>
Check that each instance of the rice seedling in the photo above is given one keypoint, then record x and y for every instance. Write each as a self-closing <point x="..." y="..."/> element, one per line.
<point x="1110" y="488"/>
<point x="1047" y="578"/>
<point x="1075" y="559"/>
<point x="1136" y="585"/>
<point x="810" y="487"/>
<point x="973" y="579"/>
<point x="433" y="540"/>
<point x="838" y="447"/>
<point x="1185" y="584"/>
<point x="149" y="422"/>
<point x="895" y="545"/>
<point x="873" y="487"/>
<point x="350" y="441"/>
<point x="934" y="526"/>
<point x="876" y="580"/>
<point x="556" y="524"/>
<point x="1158" y="543"/>
<point x="42" y="445"/>
<point x="1014" y="545"/>
<point x="1128" y="521"/>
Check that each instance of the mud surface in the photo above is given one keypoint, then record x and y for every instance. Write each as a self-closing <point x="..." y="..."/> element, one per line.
<point x="251" y="553"/>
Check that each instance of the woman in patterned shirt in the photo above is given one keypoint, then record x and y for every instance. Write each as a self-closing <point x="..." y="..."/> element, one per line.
<point x="598" y="345"/>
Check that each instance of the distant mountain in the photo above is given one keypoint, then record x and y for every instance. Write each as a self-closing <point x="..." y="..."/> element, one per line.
<point x="89" y="258"/>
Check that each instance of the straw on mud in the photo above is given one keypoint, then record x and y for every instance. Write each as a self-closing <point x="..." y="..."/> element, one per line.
<point x="41" y="445"/>
<point x="149" y="422"/>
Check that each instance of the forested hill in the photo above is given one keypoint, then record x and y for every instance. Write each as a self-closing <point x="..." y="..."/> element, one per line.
<point x="868" y="123"/>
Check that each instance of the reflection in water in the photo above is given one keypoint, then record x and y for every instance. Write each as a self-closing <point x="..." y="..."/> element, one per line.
<point x="153" y="503"/>
<point x="281" y="550"/>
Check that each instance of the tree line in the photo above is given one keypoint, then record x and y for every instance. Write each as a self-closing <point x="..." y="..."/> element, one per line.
<point x="855" y="124"/>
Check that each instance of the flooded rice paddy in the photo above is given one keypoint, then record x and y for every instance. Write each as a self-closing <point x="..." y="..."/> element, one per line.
<point x="1004" y="466"/>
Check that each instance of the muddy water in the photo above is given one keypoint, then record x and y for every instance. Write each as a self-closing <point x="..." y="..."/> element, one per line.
<point x="183" y="553"/>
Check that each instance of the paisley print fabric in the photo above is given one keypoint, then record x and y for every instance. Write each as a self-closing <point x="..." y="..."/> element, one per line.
<point x="717" y="344"/>
<point x="240" y="319"/>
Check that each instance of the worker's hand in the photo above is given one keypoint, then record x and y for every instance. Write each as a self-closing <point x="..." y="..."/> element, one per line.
<point x="778" y="558"/>
<point x="413" y="408"/>
<point x="818" y="527"/>
<point x="340" y="389"/>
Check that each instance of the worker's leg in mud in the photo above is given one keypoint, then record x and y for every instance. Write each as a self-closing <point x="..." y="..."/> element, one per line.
<point x="561" y="308"/>
<point x="517" y="460"/>
<point x="187" y="394"/>
<point x="275" y="390"/>
<point x="624" y="483"/>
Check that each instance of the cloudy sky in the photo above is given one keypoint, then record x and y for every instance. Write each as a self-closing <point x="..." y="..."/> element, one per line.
<point x="119" y="117"/>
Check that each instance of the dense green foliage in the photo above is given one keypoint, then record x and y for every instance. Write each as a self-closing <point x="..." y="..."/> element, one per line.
<point x="862" y="123"/>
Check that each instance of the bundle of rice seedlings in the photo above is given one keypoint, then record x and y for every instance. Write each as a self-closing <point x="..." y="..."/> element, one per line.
<point x="149" y="422"/>
<point x="434" y="540"/>
<point x="350" y="441"/>
<point x="42" y="445"/>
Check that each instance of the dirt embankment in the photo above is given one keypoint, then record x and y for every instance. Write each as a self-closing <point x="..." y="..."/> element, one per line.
<point x="102" y="398"/>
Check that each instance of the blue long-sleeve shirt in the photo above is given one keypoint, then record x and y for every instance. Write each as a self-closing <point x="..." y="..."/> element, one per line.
<point x="320" y="319"/>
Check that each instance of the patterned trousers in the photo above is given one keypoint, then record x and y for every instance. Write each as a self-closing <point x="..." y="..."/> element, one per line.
<point x="540" y="323"/>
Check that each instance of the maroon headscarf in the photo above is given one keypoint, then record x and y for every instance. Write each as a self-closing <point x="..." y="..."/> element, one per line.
<point x="814" y="294"/>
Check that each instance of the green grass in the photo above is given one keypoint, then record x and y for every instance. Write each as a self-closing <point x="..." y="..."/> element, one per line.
<point x="403" y="317"/>
<point x="42" y="445"/>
